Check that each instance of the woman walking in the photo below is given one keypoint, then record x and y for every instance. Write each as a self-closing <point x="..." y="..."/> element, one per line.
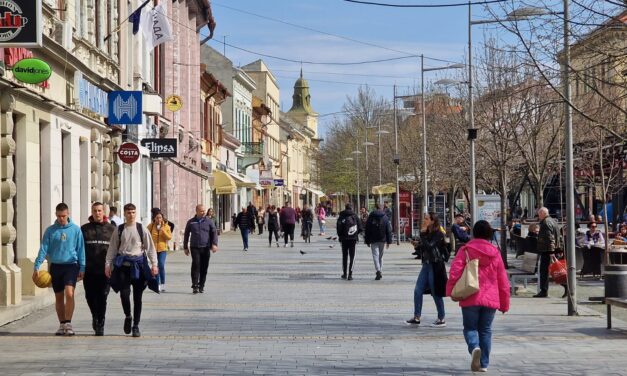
<point x="478" y="309"/>
<point x="432" y="275"/>
<point x="321" y="214"/>
<point x="273" y="225"/>
<point x="161" y="235"/>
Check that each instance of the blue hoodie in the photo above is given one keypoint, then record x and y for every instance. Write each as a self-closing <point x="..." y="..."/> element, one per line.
<point x="62" y="245"/>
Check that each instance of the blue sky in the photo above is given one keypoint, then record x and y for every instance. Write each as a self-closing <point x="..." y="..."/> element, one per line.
<point x="440" y="33"/>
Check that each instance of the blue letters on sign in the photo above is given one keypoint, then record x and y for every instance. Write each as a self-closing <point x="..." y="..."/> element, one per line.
<point x="125" y="107"/>
<point x="92" y="97"/>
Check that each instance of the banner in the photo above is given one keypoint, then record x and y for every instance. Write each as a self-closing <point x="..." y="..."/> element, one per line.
<point x="155" y="27"/>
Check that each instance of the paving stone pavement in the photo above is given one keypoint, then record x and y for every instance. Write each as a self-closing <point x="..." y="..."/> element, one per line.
<point x="275" y="311"/>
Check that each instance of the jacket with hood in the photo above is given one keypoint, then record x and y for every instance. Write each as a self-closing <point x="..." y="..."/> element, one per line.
<point x="160" y="236"/>
<point x="63" y="245"/>
<point x="97" y="236"/>
<point x="378" y="237"/>
<point x="493" y="283"/>
<point x="273" y="221"/>
<point x="340" y="223"/>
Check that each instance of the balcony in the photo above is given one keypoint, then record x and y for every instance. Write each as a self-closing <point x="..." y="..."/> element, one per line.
<point x="252" y="153"/>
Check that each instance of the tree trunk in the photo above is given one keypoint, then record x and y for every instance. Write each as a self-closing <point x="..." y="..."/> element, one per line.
<point x="503" y="221"/>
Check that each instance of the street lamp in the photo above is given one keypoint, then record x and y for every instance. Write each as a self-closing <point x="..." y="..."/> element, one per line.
<point x="425" y="192"/>
<point x="366" y="144"/>
<point x="350" y="159"/>
<point x="379" y="133"/>
<point x="356" y="153"/>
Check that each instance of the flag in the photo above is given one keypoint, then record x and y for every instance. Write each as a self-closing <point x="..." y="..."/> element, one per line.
<point x="135" y="19"/>
<point x="156" y="28"/>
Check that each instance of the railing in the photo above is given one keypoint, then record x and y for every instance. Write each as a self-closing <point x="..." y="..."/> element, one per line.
<point x="252" y="148"/>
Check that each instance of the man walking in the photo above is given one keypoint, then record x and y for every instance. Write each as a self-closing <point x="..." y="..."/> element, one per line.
<point x="246" y="223"/>
<point x="130" y="244"/>
<point x="548" y="241"/>
<point x="113" y="217"/>
<point x="378" y="233"/>
<point x="201" y="234"/>
<point x="348" y="229"/>
<point x="97" y="234"/>
<point x="288" y="222"/>
<point x="64" y="247"/>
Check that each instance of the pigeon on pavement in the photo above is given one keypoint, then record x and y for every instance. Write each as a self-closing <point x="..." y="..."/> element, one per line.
<point x="335" y="238"/>
<point x="329" y="238"/>
<point x="302" y="252"/>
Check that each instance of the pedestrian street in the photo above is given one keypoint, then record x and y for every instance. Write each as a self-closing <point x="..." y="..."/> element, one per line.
<point x="280" y="311"/>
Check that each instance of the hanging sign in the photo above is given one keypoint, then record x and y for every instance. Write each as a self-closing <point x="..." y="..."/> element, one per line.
<point x="125" y="107"/>
<point x="279" y="182"/>
<point x="128" y="153"/>
<point x="174" y="103"/>
<point x="31" y="71"/>
<point x="161" y="147"/>
<point x="20" y="23"/>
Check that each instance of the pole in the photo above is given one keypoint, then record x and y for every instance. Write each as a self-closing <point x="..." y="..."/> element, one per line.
<point x="397" y="162"/>
<point x="570" y="184"/>
<point x="367" y="170"/>
<point x="471" y="117"/>
<point x="425" y="192"/>
<point x="358" y="191"/>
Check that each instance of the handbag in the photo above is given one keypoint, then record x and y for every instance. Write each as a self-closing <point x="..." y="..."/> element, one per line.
<point x="557" y="270"/>
<point x="468" y="283"/>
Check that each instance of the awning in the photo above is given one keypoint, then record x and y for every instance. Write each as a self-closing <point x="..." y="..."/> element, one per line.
<point x="316" y="192"/>
<point x="384" y="189"/>
<point x="242" y="181"/>
<point x="223" y="183"/>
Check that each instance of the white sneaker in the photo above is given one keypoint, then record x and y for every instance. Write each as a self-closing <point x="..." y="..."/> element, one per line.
<point x="162" y="287"/>
<point x="483" y="370"/>
<point x="61" y="330"/>
<point x="285" y="245"/>
<point x="475" y="363"/>
<point x="68" y="329"/>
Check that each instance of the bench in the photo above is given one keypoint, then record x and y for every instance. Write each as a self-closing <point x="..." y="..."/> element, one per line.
<point x="526" y="272"/>
<point x="618" y="302"/>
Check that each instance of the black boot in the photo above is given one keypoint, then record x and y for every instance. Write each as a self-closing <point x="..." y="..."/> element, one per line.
<point x="100" y="328"/>
<point x="565" y="291"/>
<point x="94" y="323"/>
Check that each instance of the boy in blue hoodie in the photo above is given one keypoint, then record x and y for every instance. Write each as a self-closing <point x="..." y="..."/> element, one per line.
<point x="64" y="247"/>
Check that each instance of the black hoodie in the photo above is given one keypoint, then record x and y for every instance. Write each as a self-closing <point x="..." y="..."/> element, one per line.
<point x="97" y="236"/>
<point x="343" y="224"/>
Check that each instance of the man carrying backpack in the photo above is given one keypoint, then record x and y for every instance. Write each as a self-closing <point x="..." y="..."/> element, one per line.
<point x="348" y="229"/>
<point x="378" y="233"/>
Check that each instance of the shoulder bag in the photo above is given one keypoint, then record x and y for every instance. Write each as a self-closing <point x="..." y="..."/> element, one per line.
<point x="468" y="283"/>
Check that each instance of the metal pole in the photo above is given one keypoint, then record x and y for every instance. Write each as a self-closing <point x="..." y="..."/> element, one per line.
<point x="425" y="192"/>
<point x="358" y="191"/>
<point x="367" y="170"/>
<point x="570" y="183"/>
<point x="471" y="116"/>
<point x="397" y="161"/>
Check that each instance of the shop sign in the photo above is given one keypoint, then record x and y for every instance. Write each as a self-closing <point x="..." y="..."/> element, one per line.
<point x="32" y="71"/>
<point x="266" y="182"/>
<point x="161" y="147"/>
<point x="14" y="55"/>
<point x="20" y="23"/>
<point x="128" y="153"/>
<point x="125" y="107"/>
<point x="90" y="96"/>
<point x="279" y="182"/>
<point x="174" y="103"/>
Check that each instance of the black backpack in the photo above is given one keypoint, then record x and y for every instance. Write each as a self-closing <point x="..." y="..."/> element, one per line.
<point x="348" y="226"/>
<point x="376" y="225"/>
<point x="140" y="231"/>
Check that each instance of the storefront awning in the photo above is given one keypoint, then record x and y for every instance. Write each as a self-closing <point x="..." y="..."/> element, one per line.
<point x="316" y="192"/>
<point x="223" y="183"/>
<point x="385" y="189"/>
<point x="242" y="181"/>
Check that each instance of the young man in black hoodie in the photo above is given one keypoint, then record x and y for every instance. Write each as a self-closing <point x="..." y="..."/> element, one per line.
<point x="348" y="229"/>
<point x="378" y="234"/>
<point x="97" y="235"/>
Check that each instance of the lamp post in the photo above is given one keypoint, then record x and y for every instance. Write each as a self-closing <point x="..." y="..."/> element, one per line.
<point x="379" y="132"/>
<point x="366" y="144"/>
<point x="350" y="159"/>
<point x="425" y="191"/>
<point x="356" y="152"/>
<point x="397" y="161"/>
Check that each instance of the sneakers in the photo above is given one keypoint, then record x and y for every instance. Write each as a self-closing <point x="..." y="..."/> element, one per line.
<point x="475" y="363"/>
<point x="413" y="321"/>
<point x="68" y="329"/>
<point x="292" y="244"/>
<point x="343" y="276"/>
<point x="350" y="276"/>
<point x="245" y="249"/>
<point x="201" y="290"/>
<point x="438" y="324"/>
<point x="195" y="290"/>
<point x="541" y="294"/>
<point x="162" y="288"/>
<point x="483" y="370"/>
<point x="100" y="328"/>
<point x="127" y="325"/>
<point x="277" y="244"/>
<point x="60" y="331"/>
<point x="285" y="245"/>
<point x="136" y="332"/>
<point x="378" y="277"/>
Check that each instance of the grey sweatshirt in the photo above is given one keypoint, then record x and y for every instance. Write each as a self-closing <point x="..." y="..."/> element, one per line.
<point x="131" y="245"/>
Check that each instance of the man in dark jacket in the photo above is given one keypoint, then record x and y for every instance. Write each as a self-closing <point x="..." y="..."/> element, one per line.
<point x="245" y="220"/>
<point x="378" y="233"/>
<point x="204" y="239"/>
<point x="348" y="229"/>
<point x="548" y="239"/>
<point x="97" y="235"/>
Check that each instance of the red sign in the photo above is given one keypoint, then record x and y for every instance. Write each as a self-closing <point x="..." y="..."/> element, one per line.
<point x="128" y="153"/>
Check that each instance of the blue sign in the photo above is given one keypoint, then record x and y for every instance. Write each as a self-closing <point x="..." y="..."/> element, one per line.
<point x="125" y="107"/>
<point x="91" y="97"/>
<point x="279" y="182"/>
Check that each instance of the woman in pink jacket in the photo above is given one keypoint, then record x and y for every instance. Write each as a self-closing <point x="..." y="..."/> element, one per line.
<point x="478" y="309"/>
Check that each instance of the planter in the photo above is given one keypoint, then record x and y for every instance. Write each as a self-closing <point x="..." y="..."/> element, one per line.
<point x="616" y="281"/>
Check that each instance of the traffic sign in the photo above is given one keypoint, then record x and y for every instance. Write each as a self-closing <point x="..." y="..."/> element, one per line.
<point x="128" y="153"/>
<point x="174" y="103"/>
<point x="125" y="107"/>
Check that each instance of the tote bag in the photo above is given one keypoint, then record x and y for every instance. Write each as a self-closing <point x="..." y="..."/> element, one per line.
<point x="468" y="283"/>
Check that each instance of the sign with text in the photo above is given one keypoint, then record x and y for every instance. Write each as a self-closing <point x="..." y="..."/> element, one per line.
<point x="20" y="23"/>
<point x="32" y="71"/>
<point x="279" y="182"/>
<point x="125" y="107"/>
<point x="128" y="153"/>
<point x="161" y="147"/>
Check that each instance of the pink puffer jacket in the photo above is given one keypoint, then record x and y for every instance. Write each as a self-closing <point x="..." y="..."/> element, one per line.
<point x="493" y="283"/>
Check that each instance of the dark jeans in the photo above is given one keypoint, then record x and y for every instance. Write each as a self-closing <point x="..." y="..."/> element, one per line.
<point x="288" y="230"/>
<point x="200" y="264"/>
<point x="260" y="228"/>
<point x="478" y="330"/>
<point x="276" y="235"/>
<point x="139" y="285"/>
<point x="96" y="292"/>
<point x="348" y="249"/>
<point x="244" y="232"/>
<point x="545" y="261"/>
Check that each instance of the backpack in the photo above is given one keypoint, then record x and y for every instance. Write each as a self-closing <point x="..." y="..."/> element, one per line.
<point x="376" y="228"/>
<point x="348" y="226"/>
<point x="140" y="231"/>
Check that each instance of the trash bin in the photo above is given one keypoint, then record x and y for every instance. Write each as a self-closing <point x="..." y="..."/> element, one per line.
<point x="616" y="281"/>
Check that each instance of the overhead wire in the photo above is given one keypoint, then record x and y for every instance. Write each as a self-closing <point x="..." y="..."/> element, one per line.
<point x="447" y="5"/>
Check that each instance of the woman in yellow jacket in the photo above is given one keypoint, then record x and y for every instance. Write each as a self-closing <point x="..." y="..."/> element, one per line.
<point x="161" y="234"/>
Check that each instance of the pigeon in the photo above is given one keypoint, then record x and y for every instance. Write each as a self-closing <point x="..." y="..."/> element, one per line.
<point x="329" y="238"/>
<point x="335" y="238"/>
<point x="302" y="252"/>
<point x="331" y="246"/>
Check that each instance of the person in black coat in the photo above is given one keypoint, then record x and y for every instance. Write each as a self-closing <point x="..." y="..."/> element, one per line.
<point x="432" y="275"/>
<point x="348" y="230"/>
<point x="246" y="222"/>
<point x="273" y="225"/>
